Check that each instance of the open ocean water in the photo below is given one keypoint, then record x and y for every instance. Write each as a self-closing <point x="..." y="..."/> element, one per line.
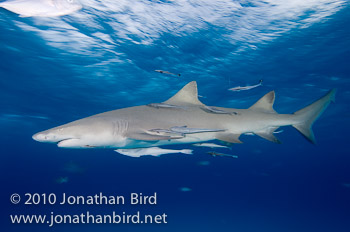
<point x="58" y="69"/>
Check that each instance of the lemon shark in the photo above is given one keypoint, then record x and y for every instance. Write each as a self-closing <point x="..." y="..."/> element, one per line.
<point x="182" y="119"/>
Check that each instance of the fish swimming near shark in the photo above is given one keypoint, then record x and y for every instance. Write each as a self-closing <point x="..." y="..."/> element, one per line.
<point x="211" y="145"/>
<point x="182" y="131"/>
<point x="214" y="154"/>
<point x="163" y="105"/>
<point x="214" y="110"/>
<point x="186" y="130"/>
<point x="133" y="127"/>
<point x="62" y="180"/>
<point x="248" y="87"/>
<point x="167" y="72"/>
<point x="153" y="151"/>
<point x="41" y="8"/>
<point x="252" y="134"/>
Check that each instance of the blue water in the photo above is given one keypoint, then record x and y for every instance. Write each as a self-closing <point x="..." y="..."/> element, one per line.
<point x="56" y="70"/>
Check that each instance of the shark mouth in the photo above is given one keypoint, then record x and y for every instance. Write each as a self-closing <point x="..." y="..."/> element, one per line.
<point x="73" y="143"/>
<point x="64" y="140"/>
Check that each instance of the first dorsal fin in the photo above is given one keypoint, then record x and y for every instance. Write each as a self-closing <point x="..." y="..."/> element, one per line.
<point x="188" y="95"/>
<point x="265" y="103"/>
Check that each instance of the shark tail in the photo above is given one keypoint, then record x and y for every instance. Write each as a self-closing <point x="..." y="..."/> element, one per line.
<point x="186" y="151"/>
<point x="308" y="115"/>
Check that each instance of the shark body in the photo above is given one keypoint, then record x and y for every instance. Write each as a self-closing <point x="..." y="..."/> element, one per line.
<point x="134" y="127"/>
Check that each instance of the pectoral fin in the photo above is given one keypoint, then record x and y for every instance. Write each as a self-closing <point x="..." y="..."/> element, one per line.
<point x="229" y="137"/>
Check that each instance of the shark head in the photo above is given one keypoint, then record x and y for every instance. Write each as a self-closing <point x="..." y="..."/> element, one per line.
<point x="90" y="132"/>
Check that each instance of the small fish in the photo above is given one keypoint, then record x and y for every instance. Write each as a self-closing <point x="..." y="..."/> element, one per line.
<point x="203" y="163"/>
<point x="180" y="131"/>
<point x="249" y="133"/>
<point x="72" y="167"/>
<point x="62" y="180"/>
<point x="213" y="153"/>
<point x="41" y="8"/>
<point x="18" y="116"/>
<point x="159" y="131"/>
<point x="211" y="145"/>
<point x="164" y="105"/>
<point x="167" y="72"/>
<point x="248" y="87"/>
<point x="252" y="134"/>
<point x="185" y="189"/>
<point x="186" y="130"/>
<point x="214" y="110"/>
<point x="153" y="151"/>
<point x="166" y="132"/>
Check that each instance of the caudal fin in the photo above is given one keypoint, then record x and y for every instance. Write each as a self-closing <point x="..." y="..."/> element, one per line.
<point x="186" y="151"/>
<point x="308" y="115"/>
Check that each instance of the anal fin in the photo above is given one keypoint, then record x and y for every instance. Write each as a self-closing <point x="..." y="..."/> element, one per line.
<point x="268" y="135"/>
<point x="229" y="137"/>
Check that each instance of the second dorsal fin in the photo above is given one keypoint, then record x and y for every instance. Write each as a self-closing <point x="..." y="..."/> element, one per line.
<point x="265" y="103"/>
<point x="188" y="95"/>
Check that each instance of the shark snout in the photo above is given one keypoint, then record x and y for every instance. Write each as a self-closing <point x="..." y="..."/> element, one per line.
<point x="49" y="137"/>
<point x="38" y="137"/>
<point x="44" y="137"/>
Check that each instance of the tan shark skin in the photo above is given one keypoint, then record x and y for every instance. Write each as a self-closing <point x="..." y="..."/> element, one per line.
<point x="132" y="127"/>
